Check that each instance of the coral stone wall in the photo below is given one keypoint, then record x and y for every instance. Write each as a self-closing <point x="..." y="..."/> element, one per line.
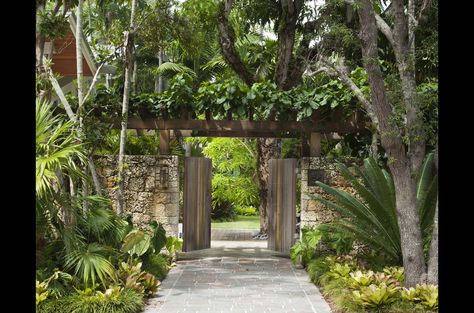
<point x="150" y="193"/>
<point x="314" y="212"/>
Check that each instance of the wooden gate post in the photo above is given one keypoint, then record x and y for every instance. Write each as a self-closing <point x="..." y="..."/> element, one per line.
<point x="197" y="204"/>
<point x="282" y="204"/>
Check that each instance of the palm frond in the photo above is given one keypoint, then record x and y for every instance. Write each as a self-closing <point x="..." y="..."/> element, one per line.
<point x="90" y="263"/>
<point x="169" y="69"/>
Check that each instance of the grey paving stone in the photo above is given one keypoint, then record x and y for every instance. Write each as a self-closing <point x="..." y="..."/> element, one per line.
<point x="236" y="277"/>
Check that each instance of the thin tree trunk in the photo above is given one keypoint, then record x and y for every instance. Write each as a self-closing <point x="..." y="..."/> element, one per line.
<point x="432" y="277"/>
<point x="95" y="177"/>
<point x="85" y="193"/>
<point x="374" y="151"/>
<point x="129" y="50"/>
<point x="134" y="77"/>
<point x="40" y="40"/>
<point x="79" y="66"/>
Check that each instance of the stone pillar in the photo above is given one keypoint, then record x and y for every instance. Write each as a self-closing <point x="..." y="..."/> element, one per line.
<point x="314" y="212"/>
<point x="151" y="188"/>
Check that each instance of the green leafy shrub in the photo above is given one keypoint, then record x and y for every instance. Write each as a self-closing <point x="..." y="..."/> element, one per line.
<point x="316" y="268"/>
<point x="375" y="296"/>
<point x="339" y="241"/>
<point x="115" y="300"/>
<point x="246" y="211"/>
<point x="222" y="210"/>
<point x="306" y="247"/>
<point x="173" y="244"/>
<point x="138" y="242"/>
<point x="156" y="264"/>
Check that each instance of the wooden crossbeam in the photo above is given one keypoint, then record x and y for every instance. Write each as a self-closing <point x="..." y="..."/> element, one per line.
<point x="252" y="127"/>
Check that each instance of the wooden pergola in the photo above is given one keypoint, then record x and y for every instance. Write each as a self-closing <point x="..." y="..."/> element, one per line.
<point x="310" y="131"/>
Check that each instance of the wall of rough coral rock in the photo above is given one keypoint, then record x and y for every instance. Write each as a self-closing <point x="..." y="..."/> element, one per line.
<point x="148" y="194"/>
<point x="314" y="212"/>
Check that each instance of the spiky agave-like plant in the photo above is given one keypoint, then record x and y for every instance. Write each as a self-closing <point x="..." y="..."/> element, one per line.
<point x="372" y="217"/>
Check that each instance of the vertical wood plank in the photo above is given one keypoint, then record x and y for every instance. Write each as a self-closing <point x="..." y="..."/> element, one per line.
<point x="315" y="145"/>
<point x="197" y="204"/>
<point x="164" y="141"/>
<point x="282" y="204"/>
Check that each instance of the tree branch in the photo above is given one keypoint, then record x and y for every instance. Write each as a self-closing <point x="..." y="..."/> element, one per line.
<point x="382" y="26"/>
<point x="302" y="55"/>
<point x="342" y="73"/>
<point x="227" y="40"/>
<point x="286" y="39"/>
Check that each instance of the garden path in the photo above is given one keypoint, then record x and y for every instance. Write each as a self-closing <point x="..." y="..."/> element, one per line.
<point x="237" y="276"/>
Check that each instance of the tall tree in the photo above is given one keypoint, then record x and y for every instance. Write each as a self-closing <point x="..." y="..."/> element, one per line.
<point x="290" y="64"/>
<point x="128" y="64"/>
<point x="404" y="144"/>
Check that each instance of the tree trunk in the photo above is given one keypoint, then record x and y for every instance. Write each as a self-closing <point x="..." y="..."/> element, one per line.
<point x="129" y="50"/>
<point x="408" y="221"/>
<point x="267" y="148"/>
<point x="399" y="163"/>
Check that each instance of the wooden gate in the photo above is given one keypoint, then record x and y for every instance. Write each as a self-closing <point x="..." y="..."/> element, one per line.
<point x="197" y="204"/>
<point x="281" y="204"/>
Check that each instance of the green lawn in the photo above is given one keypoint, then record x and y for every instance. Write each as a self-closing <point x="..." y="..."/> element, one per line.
<point x="242" y="222"/>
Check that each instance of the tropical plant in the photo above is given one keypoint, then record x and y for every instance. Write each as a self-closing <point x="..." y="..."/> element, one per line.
<point x="338" y="271"/>
<point x="53" y="286"/>
<point x="316" y="268"/>
<point x="358" y="279"/>
<point x="90" y="262"/>
<point x="42" y="292"/>
<point x="339" y="241"/>
<point x="371" y="217"/>
<point x="246" y="211"/>
<point x="173" y="244"/>
<point x="396" y="272"/>
<point x="305" y="249"/>
<point x="113" y="300"/>
<point x="156" y="264"/>
<point x="375" y="296"/>
<point x="138" y="242"/>
<point x="57" y="148"/>
<point x="150" y="284"/>
<point x="222" y="210"/>
<point x="426" y="294"/>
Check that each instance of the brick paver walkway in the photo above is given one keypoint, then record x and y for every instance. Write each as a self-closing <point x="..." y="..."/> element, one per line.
<point x="236" y="277"/>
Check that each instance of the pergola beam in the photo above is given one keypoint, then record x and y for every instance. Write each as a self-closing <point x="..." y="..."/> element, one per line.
<point x="245" y="128"/>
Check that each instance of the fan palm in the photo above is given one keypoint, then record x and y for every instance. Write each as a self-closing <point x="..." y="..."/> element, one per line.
<point x="57" y="148"/>
<point x="90" y="263"/>
<point x="372" y="217"/>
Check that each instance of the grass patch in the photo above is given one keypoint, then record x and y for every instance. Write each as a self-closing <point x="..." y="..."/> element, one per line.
<point x="241" y="222"/>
